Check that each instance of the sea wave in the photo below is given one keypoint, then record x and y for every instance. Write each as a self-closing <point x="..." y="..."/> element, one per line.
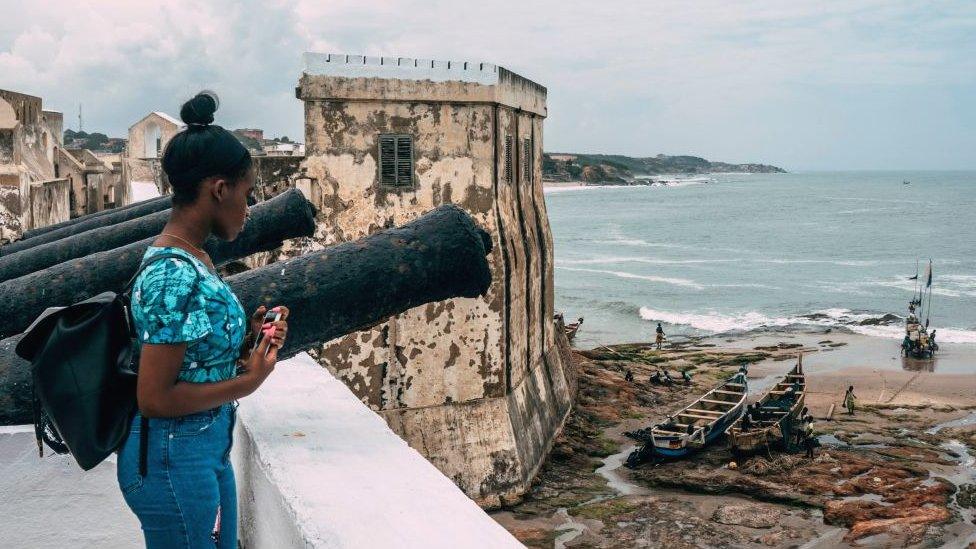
<point x="635" y="259"/>
<point x="623" y="274"/>
<point x="870" y="324"/>
<point x="656" y="181"/>
<point x="624" y="241"/>
<point x="946" y="286"/>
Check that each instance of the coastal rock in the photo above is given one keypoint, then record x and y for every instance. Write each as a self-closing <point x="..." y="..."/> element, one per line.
<point x="871" y="438"/>
<point x="911" y="526"/>
<point x="880" y="321"/>
<point x="966" y="497"/>
<point x="753" y="516"/>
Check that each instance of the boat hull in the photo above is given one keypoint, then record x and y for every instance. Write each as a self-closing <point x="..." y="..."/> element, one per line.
<point x="658" y="445"/>
<point x="781" y="433"/>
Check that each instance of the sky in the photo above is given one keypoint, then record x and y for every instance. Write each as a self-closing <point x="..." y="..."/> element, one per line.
<point x="853" y="84"/>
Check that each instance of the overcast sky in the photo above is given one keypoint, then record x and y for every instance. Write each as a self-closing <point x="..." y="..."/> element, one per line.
<point x="821" y="85"/>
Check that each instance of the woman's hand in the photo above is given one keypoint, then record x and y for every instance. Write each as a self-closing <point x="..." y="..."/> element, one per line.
<point x="281" y="327"/>
<point x="262" y="360"/>
<point x="257" y="322"/>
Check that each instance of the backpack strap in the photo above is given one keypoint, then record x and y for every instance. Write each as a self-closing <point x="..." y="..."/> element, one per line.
<point x="153" y="259"/>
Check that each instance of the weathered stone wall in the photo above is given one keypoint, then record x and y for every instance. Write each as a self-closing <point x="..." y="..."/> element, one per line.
<point x="48" y="203"/>
<point x="7" y="149"/>
<point x="71" y="169"/>
<point x="477" y="385"/>
<point x="27" y="172"/>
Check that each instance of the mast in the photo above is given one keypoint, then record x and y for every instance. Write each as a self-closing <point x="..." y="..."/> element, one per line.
<point x="928" y="285"/>
<point x="915" y="293"/>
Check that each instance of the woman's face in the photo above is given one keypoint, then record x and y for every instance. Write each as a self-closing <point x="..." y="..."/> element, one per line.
<point x="232" y="211"/>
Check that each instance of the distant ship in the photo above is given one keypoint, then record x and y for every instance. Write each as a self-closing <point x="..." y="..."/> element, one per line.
<point x="918" y="342"/>
<point x="906" y="182"/>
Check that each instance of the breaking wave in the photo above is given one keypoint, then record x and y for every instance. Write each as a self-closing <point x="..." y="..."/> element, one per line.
<point x="622" y="274"/>
<point x="870" y="324"/>
<point x="631" y="259"/>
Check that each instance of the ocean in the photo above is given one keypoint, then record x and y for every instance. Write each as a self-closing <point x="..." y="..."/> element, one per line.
<point x="747" y="253"/>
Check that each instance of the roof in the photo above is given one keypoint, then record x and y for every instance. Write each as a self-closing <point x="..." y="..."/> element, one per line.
<point x="162" y="115"/>
<point x="165" y="116"/>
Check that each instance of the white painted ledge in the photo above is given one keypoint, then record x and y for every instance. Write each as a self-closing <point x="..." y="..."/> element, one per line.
<point x="317" y="468"/>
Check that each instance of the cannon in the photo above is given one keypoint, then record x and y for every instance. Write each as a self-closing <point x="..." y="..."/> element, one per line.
<point x="335" y="291"/>
<point x="113" y="236"/>
<point x="104" y="218"/>
<point x="27" y="296"/>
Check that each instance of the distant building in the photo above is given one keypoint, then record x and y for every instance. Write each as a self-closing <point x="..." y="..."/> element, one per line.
<point x="32" y="194"/>
<point x="480" y="386"/>
<point x="140" y="161"/>
<point x="149" y="136"/>
<point x="284" y="149"/>
<point x="253" y="133"/>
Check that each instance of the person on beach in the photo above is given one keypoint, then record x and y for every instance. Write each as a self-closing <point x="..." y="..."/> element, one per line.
<point x="196" y="360"/>
<point x="659" y="339"/>
<point x="667" y="378"/>
<point x="656" y="378"/>
<point x="800" y="429"/>
<point x="686" y="376"/>
<point x="809" y="440"/>
<point x="629" y="376"/>
<point x="746" y="422"/>
<point x="849" y="398"/>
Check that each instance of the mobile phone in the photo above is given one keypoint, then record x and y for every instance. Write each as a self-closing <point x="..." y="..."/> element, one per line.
<point x="270" y="316"/>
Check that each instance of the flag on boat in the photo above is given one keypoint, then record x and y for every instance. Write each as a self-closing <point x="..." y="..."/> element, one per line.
<point x="913" y="277"/>
<point x="928" y="275"/>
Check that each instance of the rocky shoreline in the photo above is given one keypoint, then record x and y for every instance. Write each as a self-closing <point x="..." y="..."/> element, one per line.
<point x="610" y="169"/>
<point x="896" y="473"/>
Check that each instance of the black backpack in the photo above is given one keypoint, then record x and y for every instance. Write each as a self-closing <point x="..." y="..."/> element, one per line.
<point x="84" y="360"/>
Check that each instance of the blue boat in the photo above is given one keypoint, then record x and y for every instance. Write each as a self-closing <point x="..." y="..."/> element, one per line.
<point x="694" y="426"/>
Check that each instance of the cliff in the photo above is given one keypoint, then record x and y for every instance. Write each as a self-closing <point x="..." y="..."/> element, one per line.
<point x="608" y="168"/>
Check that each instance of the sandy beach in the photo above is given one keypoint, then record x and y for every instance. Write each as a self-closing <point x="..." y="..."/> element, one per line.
<point x="898" y="473"/>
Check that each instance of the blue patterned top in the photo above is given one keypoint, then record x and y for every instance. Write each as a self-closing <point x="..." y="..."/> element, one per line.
<point x="169" y="306"/>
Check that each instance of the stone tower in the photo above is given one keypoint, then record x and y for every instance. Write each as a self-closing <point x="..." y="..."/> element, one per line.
<point x="479" y="386"/>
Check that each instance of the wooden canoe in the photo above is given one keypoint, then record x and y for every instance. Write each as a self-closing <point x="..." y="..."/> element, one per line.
<point x="780" y="418"/>
<point x="694" y="426"/>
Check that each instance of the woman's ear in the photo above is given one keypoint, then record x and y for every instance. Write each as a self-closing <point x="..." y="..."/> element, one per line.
<point x="219" y="189"/>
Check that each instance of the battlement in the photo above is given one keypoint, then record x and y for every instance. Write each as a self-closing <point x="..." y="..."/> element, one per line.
<point x="361" y="66"/>
<point x="333" y="76"/>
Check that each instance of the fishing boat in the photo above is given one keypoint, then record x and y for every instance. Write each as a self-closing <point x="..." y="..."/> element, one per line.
<point x="918" y="343"/>
<point x="779" y="410"/>
<point x="694" y="426"/>
<point x="572" y="328"/>
<point x="568" y="329"/>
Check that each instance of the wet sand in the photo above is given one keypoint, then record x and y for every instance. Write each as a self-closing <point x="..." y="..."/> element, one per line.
<point x="897" y="473"/>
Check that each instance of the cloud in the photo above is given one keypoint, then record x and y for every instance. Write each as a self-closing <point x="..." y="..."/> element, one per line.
<point x="806" y="84"/>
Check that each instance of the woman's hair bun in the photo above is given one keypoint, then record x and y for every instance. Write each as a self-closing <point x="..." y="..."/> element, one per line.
<point x="200" y="109"/>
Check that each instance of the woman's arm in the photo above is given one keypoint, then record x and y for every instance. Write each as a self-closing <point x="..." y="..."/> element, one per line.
<point x="160" y="394"/>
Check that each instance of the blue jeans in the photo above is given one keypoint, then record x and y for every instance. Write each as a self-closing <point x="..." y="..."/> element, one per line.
<point x="189" y="480"/>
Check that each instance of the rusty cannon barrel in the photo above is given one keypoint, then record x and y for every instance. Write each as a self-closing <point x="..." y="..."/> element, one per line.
<point x="271" y="223"/>
<point x="104" y="218"/>
<point x="335" y="291"/>
<point x="114" y="236"/>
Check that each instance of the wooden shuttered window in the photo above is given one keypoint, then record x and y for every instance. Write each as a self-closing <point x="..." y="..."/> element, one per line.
<point x="508" y="158"/>
<point x="528" y="166"/>
<point x="396" y="160"/>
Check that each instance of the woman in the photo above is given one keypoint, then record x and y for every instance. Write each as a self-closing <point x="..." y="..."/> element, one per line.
<point x="174" y="468"/>
<point x="849" y="399"/>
